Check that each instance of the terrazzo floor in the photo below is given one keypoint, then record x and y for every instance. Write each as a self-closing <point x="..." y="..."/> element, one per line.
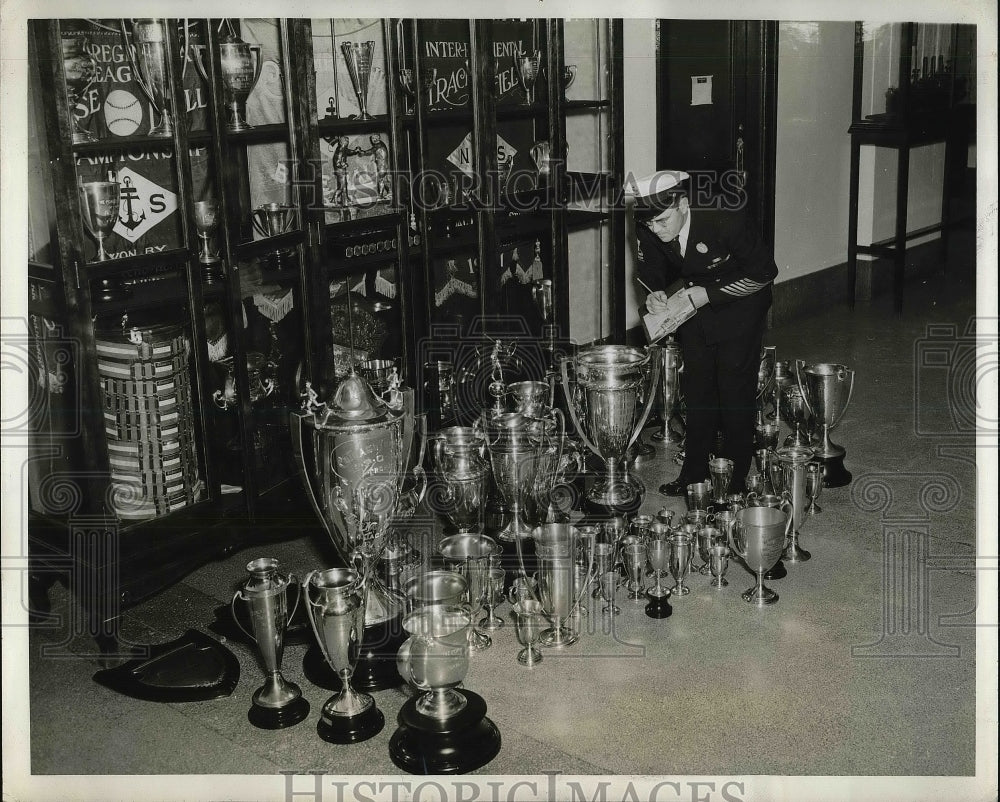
<point x="859" y="670"/>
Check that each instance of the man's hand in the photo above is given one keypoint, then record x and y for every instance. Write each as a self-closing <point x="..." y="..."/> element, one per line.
<point x="698" y="296"/>
<point x="656" y="302"/>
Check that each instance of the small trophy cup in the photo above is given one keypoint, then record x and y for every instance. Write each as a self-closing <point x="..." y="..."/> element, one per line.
<point x="634" y="555"/>
<point x="278" y="703"/>
<point x="496" y="577"/>
<point x="273" y="220"/>
<point x="240" y="64"/>
<point x="335" y="602"/>
<point x="658" y="553"/>
<point x="680" y="562"/>
<point x="720" y="470"/>
<point x="542" y="295"/>
<point x="444" y="730"/>
<point x="206" y="220"/>
<point x="80" y="68"/>
<point x="528" y="67"/>
<point x="608" y="586"/>
<point x="528" y="620"/>
<point x="100" y="202"/>
<point x="718" y="563"/>
<point x="814" y="486"/>
<point x="358" y="56"/>
<point x="147" y="53"/>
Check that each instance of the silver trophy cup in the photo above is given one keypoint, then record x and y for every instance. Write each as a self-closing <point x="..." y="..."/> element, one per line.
<point x="558" y="590"/>
<point x="827" y="389"/>
<point x="278" y="703"/>
<point x="335" y="602"/>
<point x="609" y="404"/>
<point x="529" y="618"/>
<point x="99" y="203"/>
<point x="147" y="53"/>
<point x="758" y="537"/>
<point x="463" y="473"/>
<point x="673" y="366"/>
<point x="358" y="56"/>
<point x="514" y="450"/>
<point x="794" y="462"/>
<point x="435" y="658"/>
<point x="470" y="555"/>
<point x="528" y="67"/>
<point x="240" y="65"/>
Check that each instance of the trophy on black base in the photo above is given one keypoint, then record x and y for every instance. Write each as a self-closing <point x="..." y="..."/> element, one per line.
<point x="658" y="552"/>
<point x="278" y="703"/>
<point x="335" y="602"/>
<point x="826" y="390"/>
<point x="444" y="730"/>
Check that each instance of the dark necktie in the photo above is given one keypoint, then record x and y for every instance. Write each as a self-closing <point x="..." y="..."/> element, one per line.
<point x="674" y="246"/>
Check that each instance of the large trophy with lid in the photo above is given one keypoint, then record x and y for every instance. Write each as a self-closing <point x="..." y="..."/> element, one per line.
<point x="352" y="450"/>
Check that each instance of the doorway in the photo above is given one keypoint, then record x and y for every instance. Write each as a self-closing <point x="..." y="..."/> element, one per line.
<point x="716" y="91"/>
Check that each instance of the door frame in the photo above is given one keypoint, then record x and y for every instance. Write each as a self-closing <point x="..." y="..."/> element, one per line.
<point x="753" y="46"/>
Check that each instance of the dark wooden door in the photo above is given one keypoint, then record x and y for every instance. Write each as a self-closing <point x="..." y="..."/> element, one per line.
<point x="716" y="110"/>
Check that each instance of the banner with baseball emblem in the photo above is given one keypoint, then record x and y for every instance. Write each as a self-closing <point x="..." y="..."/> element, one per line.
<point x="111" y="103"/>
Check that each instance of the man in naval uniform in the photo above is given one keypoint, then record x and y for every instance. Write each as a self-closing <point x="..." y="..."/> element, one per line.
<point x="719" y="260"/>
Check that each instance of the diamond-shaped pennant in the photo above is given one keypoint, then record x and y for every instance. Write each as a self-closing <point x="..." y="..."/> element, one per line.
<point x="144" y="204"/>
<point x="461" y="156"/>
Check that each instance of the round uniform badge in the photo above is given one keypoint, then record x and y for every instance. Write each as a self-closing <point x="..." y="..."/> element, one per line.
<point x="701" y="247"/>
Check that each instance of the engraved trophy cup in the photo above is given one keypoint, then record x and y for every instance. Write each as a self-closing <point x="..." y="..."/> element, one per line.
<point x="352" y="450"/>
<point x="240" y="64"/>
<point x="278" y="703"/>
<point x="358" y="56"/>
<point x="463" y="476"/>
<point x="335" y="602"/>
<point x="827" y="390"/>
<point x="147" y="53"/>
<point x="273" y="220"/>
<point x="758" y="537"/>
<point x="99" y="205"/>
<point x="793" y="462"/>
<point x="609" y="404"/>
<point x="673" y="366"/>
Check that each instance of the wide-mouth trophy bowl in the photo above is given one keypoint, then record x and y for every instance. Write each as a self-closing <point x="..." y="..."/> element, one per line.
<point x="377" y="372"/>
<point x="425" y="588"/>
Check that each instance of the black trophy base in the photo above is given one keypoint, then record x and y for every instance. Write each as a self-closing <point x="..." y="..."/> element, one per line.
<point x="659" y="607"/>
<point x="278" y="718"/>
<point x="777" y="572"/>
<point x="351" y="729"/>
<point x="462" y="743"/>
<point x="376" y="668"/>
<point x="834" y="472"/>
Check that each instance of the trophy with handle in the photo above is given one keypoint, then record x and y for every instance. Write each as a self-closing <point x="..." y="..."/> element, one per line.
<point x="358" y="56"/>
<point x="528" y="68"/>
<point x="80" y="68"/>
<point x="99" y="202"/>
<point x="758" y="537"/>
<point x="147" y="53"/>
<point x="609" y="404"/>
<point x="826" y="389"/>
<point x="278" y="703"/>
<point x="206" y="221"/>
<point x="352" y="450"/>
<point x="240" y="64"/>
<point x="335" y="602"/>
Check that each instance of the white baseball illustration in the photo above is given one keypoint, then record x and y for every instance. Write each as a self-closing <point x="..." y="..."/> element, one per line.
<point x="122" y="112"/>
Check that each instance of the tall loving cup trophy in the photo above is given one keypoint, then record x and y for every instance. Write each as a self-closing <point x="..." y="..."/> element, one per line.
<point x="826" y="389"/>
<point x="352" y="451"/>
<point x="240" y="64"/>
<point x="609" y="404"/>
<point x="278" y="703"/>
<point x="673" y="366"/>
<point x="358" y="56"/>
<point x="758" y="537"/>
<point x="555" y="551"/>
<point x="148" y="55"/>
<point x="335" y="602"/>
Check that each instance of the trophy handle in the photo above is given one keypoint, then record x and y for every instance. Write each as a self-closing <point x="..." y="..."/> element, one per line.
<point x="295" y="424"/>
<point x="293" y="580"/>
<point x="571" y="404"/>
<point x="650" y="397"/>
<point x="798" y="380"/>
<point x="255" y="51"/>
<point x="735" y="533"/>
<point x="130" y="51"/>
<point x="841" y="375"/>
<point x="236" y="620"/>
<point x="197" y="51"/>
<point x="309" y="614"/>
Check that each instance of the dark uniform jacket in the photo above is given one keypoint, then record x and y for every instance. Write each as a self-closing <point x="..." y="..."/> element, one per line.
<point x="726" y="255"/>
